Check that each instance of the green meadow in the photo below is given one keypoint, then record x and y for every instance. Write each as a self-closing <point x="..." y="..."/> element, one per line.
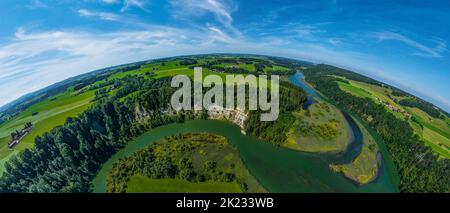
<point x="44" y="116"/>
<point x="356" y="91"/>
<point x="320" y="128"/>
<point x="141" y="184"/>
<point x="435" y="132"/>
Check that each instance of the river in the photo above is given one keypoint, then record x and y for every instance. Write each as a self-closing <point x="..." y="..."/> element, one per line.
<point x="277" y="169"/>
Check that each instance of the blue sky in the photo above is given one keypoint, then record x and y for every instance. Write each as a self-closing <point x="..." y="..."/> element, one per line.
<point x="403" y="43"/>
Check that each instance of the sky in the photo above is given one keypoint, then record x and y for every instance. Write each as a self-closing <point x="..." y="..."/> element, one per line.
<point x="403" y="43"/>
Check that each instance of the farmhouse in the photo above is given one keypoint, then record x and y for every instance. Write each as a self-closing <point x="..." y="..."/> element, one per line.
<point x="18" y="135"/>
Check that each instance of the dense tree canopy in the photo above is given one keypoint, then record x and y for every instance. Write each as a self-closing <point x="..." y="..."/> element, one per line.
<point x="419" y="168"/>
<point x="67" y="158"/>
<point x="426" y="107"/>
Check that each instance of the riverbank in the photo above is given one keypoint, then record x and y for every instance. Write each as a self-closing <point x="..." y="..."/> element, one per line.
<point x="364" y="168"/>
<point x="362" y="159"/>
<point x="277" y="169"/>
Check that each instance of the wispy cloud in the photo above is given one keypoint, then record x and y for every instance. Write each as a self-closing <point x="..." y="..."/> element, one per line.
<point x="36" y="4"/>
<point x="334" y="41"/>
<point x="298" y="31"/>
<point x="422" y="50"/>
<point x="110" y="1"/>
<point x="114" y="17"/>
<point x="127" y="4"/>
<point x="100" y="15"/>
<point x="219" y="8"/>
<point x="34" y="60"/>
<point x="220" y="36"/>
<point x="307" y="32"/>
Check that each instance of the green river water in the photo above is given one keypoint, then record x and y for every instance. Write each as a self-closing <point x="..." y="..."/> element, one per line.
<point x="277" y="169"/>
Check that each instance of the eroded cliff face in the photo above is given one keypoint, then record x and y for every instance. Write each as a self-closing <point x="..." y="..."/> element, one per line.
<point x="236" y="116"/>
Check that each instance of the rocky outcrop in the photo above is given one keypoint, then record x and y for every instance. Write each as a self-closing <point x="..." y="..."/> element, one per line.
<point x="236" y="116"/>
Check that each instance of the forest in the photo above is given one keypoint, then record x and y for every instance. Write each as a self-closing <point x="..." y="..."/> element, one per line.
<point x="291" y="99"/>
<point x="194" y="157"/>
<point x="418" y="167"/>
<point x="67" y="158"/>
<point x="426" y="107"/>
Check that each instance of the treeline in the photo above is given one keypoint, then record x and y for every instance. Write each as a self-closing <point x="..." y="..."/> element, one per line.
<point x="290" y="63"/>
<point x="259" y="65"/>
<point x="188" y="61"/>
<point x="78" y="82"/>
<point x="418" y="167"/>
<point x="67" y="158"/>
<point x="424" y="106"/>
<point x="291" y="99"/>
<point x="215" y="66"/>
<point x="331" y="70"/>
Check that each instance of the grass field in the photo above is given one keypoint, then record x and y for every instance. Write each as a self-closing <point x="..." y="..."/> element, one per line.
<point x="275" y="68"/>
<point x="435" y="124"/>
<point x="356" y="91"/>
<point x="50" y="113"/>
<point x="435" y="132"/>
<point x="364" y="168"/>
<point x="141" y="184"/>
<point x="251" y="67"/>
<point x="373" y="92"/>
<point x="322" y="128"/>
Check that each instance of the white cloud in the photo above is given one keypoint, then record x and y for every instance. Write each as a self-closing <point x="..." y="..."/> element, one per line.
<point x="299" y="31"/>
<point x="132" y="22"/>
<point x="36" y="4"/>
<point x="422" y="50"/>
<point x="220" y="36"/>
<point x="219" y="8"/>
<point x="110" y="1"/>
<point x="127" y="4"/>
<point x="100" y="15"/>
<point x="335" y="41"/>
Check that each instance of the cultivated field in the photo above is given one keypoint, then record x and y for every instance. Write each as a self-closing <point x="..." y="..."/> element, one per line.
<point x="44" y="116"/>
<point x="435" y="132"/>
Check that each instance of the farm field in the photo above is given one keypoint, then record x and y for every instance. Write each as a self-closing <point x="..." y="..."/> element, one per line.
<point x="357" y="91"/>
<point x="44" y="116"/>
<point x="435" y="132"/>
<point x="374" y="92"/>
